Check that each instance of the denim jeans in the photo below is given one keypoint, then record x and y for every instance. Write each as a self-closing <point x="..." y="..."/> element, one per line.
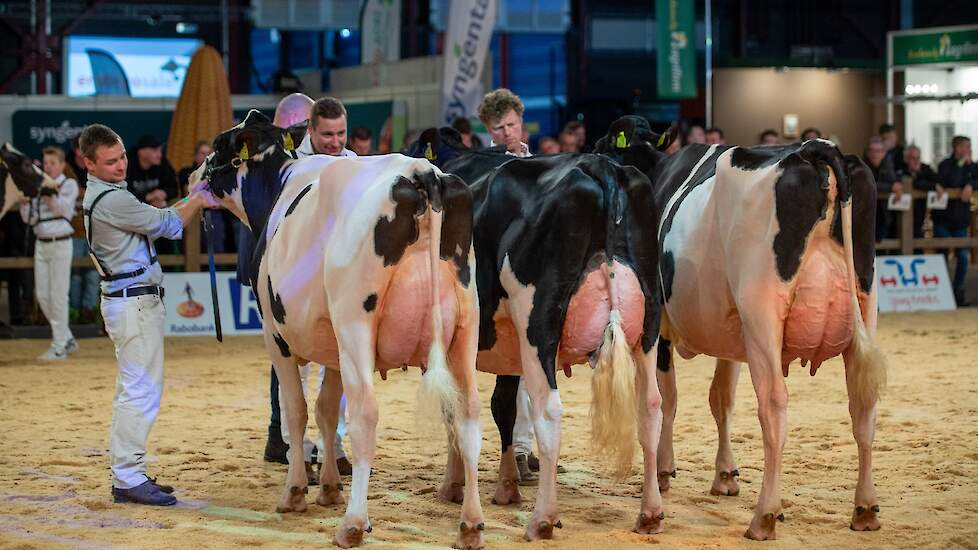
<point x="84" y="288"/>
<point x="960" y="254"/>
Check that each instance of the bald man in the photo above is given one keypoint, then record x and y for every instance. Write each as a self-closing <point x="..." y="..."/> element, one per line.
<point x="291" y="110"/>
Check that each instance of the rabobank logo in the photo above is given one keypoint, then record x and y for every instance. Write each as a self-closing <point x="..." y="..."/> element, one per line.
<point x="244" y="306"/>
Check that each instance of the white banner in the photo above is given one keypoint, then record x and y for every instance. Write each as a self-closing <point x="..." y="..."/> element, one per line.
<point x="470" y="27"/>
<point x="189" y="310"/>
<point x="913" y="283"/>
<point x="380" y="32"/>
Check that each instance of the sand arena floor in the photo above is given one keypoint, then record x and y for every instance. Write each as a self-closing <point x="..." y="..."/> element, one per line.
<point x="54" y="477"/>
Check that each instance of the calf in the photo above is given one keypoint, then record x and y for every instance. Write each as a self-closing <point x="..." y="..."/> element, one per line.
<point x="360" y="264"/>
<point x="762" y="263"/>
<point x="21" y="179"/>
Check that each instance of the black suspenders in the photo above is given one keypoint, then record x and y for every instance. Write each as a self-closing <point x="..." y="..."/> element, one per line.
<point x="104" y="271"/>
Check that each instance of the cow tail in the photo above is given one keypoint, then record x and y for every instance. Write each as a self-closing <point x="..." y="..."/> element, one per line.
<point x="868" y="369"/>
<point x="437" y="384"/>
<point x="614" y="408"/>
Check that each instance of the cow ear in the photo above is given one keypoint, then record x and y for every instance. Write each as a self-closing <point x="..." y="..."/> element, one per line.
<point x="667" y="137"/>
<point x="293" y="136"/>
<point x="247" y="143"/>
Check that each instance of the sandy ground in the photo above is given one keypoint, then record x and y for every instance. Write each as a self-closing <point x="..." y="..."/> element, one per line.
<point x="54" y="477"/>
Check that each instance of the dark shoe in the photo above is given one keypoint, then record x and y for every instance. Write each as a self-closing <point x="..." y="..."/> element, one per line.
<point x="344" y="466"/>
<point x="534" y="463"/>
<point x="312" y="474"/>
<point x="527" y="477"/>
<point x="959" y="298"/>
<point x="276" y="450"/>
<point x="147" y="493"/>
<point x="168" y="489"/>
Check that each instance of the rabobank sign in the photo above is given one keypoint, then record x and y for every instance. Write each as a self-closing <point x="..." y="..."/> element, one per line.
<point x="189" y="306"/>
<point x="470" y="27"/>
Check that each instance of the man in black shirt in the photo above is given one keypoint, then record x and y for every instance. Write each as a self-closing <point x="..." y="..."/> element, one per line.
<point x="957" y="172"/>
<point x="151" y="178"/>
<point x="924" y="178"/>
<point x="886" y="182"/>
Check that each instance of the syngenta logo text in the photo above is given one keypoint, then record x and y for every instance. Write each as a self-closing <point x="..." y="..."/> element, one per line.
<point x="57" y="134"/>
<point x="469" y="67"/>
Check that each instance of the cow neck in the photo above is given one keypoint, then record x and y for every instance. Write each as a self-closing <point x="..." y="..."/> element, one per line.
<point x="261" y="187"/>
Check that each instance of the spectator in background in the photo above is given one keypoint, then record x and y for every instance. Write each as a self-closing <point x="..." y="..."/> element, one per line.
<point x="153" y="181"/>
<point x="220" y="218"/>
<point x="714" y="136"/>
<point x="201" y="149"/>
<point x="810" y="133"/>
<point x="469" y="139"/>
<point x="885" y="183"/>
<point x="548" y="146"/>
<point x="77" y="162"/>
<point x="409" y="138"/>
<point x="49" y="215"/>
<point x="577" y="128"/>
<point x="894" y="151"/>
<point x="84" y="289"/>
<point x="568" y="143"/>
<point x="769" y="137"/>
<point x="695" y="135"/>
<point x="361" y="141"/>
<point x="957" y="172"/>
<point x="923" y="178"/>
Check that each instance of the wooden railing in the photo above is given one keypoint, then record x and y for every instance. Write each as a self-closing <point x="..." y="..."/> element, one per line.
<point x="905" y="243"/>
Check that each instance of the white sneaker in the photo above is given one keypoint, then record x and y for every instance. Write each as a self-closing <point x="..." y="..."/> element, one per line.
<point x="71" y="346"/>
<point x="54" y="353"/>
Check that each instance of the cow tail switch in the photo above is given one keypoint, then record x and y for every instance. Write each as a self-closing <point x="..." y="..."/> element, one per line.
<point x="868" y="377"/>
<point x="437" y="384"/>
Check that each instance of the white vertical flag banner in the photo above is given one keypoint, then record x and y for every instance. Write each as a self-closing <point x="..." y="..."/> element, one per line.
<point x="470" y="24"/>
<point x="380" y="31"/>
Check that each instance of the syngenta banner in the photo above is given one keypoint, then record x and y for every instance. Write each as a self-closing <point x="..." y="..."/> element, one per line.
<point x="470" y="26"/>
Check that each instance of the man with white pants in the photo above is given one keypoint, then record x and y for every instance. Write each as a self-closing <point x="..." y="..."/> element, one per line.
<point x="121" y="231"/>
<point x="49" y="215"/>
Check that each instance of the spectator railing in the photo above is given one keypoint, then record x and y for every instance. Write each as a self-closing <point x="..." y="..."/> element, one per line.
<point x="906" y="243"/>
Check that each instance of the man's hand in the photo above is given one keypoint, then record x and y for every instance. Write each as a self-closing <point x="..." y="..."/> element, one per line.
<point x="187" y="207"/>
<point x="966" y="193"/>
<point x="157" y="198"/>
<point x="897" y="189"/>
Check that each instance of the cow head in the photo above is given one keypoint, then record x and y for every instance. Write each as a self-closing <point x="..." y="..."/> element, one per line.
<point x="438" y="145"/>
<point x="630" y="141"/>
<point x="242" y="174"/>
<point x="21" y="178"/>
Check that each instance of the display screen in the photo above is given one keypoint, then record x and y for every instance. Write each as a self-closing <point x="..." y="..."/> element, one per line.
<point x="136" y="67"/>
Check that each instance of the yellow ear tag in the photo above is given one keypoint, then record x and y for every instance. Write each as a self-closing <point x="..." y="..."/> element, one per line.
<point x="621" y="142"/>
<point x="289" y="146"/>
<point x="662" y="139"/>
<point x="243" y="154"/>
<point x="428" y="153"/>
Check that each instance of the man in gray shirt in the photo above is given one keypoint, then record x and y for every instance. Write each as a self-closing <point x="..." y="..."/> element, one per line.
<point x="121" y="231"/>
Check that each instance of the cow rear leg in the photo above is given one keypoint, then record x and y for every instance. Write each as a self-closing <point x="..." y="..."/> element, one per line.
<point x="863" y="413"/>
<point x="357" y="366"/>
<point x="467" y="440"/>
<point x="545" y="409"/>
<point x="666" y="377"/>
<point x="504" y="413"/>
<point x="327" y="418"/>
<point x="294" y="403"/>
<point x="649" y="401"/>
<point x="723" y="391"/>
<point x="764" y="356"/>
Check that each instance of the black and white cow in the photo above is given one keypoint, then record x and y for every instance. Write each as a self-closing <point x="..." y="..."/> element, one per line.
<point x="21" y="179"/>
<point x="361" y="264"/>
<point x="565" y="264"/>
<point x="762" y="262"/>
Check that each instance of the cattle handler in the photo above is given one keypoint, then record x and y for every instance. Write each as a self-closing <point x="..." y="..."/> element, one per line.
<point x="121" y="231"/>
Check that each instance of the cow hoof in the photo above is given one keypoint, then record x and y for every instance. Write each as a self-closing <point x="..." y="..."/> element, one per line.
<point x="452" y="492"/>
<point x="763" y="527"/>
<point x="507" y="492"/>
<point x="330" y="495"/>
<point x="469" y="536"/>
<point x="541" y="529"/>
<point x="350" y="536"/>
<point x="293" y="501"/>
<point x="725" y="484"/>
<point x="649" y="524"/>
<point x="865" y="518"/>
<point x="664" y="478"/>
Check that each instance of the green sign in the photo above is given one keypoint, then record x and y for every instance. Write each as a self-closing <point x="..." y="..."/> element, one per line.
<point x="675" y="49"/>
<point x="936" y="47"/>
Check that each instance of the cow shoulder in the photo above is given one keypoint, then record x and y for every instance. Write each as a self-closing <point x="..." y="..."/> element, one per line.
<point x="392" y="235"/>
<point x="800" y="199"/>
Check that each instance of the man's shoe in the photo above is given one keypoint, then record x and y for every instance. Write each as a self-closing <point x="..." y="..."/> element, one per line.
<point x="147" y="493"/>
<point x="54" y="353"/>
<point x="312" y="474"/>
<point x="527" y="477"/>
<point x="344" y="466"/>
<point x="276" y="450"/>
<point x="71" y="346"/>
<point x="168" y="489"/>
<point x="534" y="463"/>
